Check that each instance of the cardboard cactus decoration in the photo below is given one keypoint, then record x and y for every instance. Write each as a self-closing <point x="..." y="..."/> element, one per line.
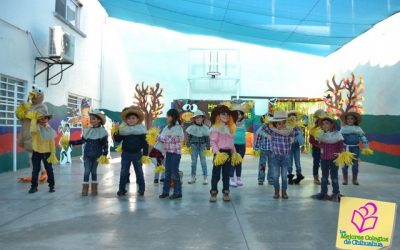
<point x="344" y="96"/>
<point x="148" y="99"/>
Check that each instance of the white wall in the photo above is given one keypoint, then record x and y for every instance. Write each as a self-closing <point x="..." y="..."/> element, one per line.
<point x="18" y="52"/>
<point x="134" y="53"/>
<point x="376" y="56"/>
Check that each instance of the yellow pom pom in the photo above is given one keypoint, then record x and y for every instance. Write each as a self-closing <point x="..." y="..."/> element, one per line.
<point x="186" y="150"/>
<point x="103" y="160"/>
<point x="33" y="115"/>
<point x="114" y="128"/>
<point x="208" y="153"/>
<point x="300" y="124"/>
<point x="119" y="149"/>
<point x="64" y="141"/>
<point x="367" y="151"/>
<point x="145" y="159"/>
<point x="151" y="136"/>
<point x="220" y="159"/>
<point x="344" y="159"/>
<point x="236" y="159"/>
<point x="317" y="132"/>
<point x="256" y="153"/>
<point x="52" y="159"/>
<point x="159" y="169"/>
<point x="22" y="109"/>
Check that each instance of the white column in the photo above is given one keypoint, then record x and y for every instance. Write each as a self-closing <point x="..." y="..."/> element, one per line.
<point x="15" y="131"/>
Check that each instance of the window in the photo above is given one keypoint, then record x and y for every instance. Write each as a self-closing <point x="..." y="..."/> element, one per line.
<point x="74" y="106"/>
<point x="69" y="10"/>
<point x="9" y="88"/>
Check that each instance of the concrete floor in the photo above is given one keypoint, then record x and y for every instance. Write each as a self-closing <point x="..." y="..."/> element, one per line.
<point x="253" y="220"/>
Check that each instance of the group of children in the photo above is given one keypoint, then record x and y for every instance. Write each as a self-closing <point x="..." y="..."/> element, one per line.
<point x="279" y="140"/>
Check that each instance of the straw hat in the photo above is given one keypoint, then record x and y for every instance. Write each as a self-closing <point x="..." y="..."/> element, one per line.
<point x="44" y="113"/>
<point x="99" y="114"/>
<point x="319" y="113"/>
<point x="293" y="112"/>
<point x="279" y="116"/>
<point x="356" y="115"/>
<point x="222" y="109"/>
<point x="328" y="118"/>
<point x="132" y="110"/>
<point x="237" y="107"/>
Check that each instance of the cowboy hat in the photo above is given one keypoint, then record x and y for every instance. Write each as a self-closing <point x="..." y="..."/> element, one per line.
<point x="319" y="113"/>
<point x="222" y="109"/>
<point x="99" y="114"/>
<point x="328" y="118"/>
<point x="356" y="115"/>
<point x="44" y="113"/>
<point x="293" y="112"/>
<point x="237" y="107"/>
<point x="132" y="110"/>
<point x="198" y="113"/>
<point x="279" y="116"/>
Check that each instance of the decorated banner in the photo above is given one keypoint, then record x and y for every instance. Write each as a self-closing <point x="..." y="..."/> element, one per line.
<point x="365" y="224"/>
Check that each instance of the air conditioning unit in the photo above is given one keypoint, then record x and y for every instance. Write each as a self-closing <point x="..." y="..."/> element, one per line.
<point x="61" y="45"/>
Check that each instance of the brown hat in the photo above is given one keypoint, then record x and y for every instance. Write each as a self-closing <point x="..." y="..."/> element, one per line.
<point x="99" y="114"/>
<point x="356" y="115"/>
<point x="132" y="110"/>
<point x="222" y="109"/>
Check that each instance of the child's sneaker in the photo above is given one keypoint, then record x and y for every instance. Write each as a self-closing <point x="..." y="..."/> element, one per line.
<point x="141" y="193"/>
<point x="260" y="183"/>
<point x="232" y="182"/>
<point x="225" y="196"/>
<point x="121" y="192"/>
<point x="298" y="179"/>
<point x="290" y="178"/>
<point x="175" y="196"/>
<point x="162" y="180"/>
<point x="213" y="197"/>
<point x="321" y="197"/>
<point x="205" y="180"/>
<point x="32" y="190"/>
<point x="239" y="181"/>
<point x="192" y="180"/>
<point x="336" y="197"/>
<point x="52" y="190"/>
<point x="163" y="195"/>
<point x="316" y="180"/>
<point x="284" y="195"/>
<point x="155" y="181"/>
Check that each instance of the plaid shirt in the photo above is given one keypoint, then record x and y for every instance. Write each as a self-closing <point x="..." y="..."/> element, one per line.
<point x="262" y="142"/>
<point x="172" y="144"/>
<point x="280" y="144"/>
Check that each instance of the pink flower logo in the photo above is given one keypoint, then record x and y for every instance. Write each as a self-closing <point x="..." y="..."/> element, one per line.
<point x="363" y="218"/>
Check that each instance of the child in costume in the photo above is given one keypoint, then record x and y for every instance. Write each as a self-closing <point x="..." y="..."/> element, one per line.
<point x="132" y="134"/>
<point x="198" y="140"/>
<point x="352" y="134"/>
<point x="240" y="145"/>
<point x="157" y="156"/>
<point x="95" y="142"/>
<point x="263" y="144"/>
<point x="315" y="150"/>
<point x="295" y="149"/>
<point x="43" y="148"/>
<point x="223" y="122"/>
<point x="171" y="137"/>
<point x="331" y="144"/>
<point x="281" y="140"/>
